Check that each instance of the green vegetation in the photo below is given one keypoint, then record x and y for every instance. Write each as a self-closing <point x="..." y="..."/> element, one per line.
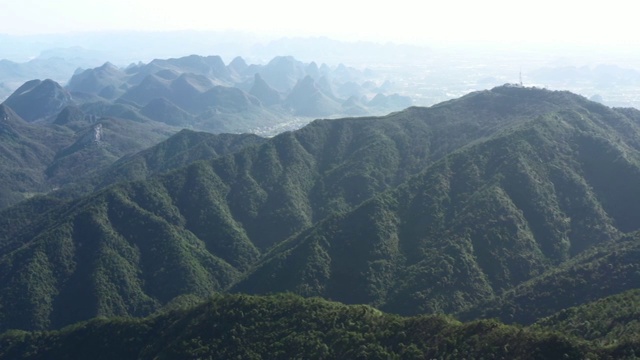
<point x="599" y="272"/>
<point x="25" y="152"/>
<point x="608" y="321"/>
<point x="38" y="158"/>
<point x="477" y="225"/>
<point x="181" y="149"/>
<point x="514" y="203"/>
<point x="65" y="156"/>
<point x="287" y="326"/>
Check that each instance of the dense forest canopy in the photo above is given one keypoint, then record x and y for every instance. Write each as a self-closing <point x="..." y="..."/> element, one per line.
<point x="516" y="204"/>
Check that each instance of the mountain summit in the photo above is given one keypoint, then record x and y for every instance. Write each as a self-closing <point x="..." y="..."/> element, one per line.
<point x="38" y="100"/>
<point x="307" y="99"/>
<point x="265" y="93"/>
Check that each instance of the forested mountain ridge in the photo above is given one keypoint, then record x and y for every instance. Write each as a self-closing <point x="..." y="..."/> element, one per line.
<point x="286" y="326"/>
<point x="134" y="108"/>
<point x="476" y="223"/>
<point x="181" y="149"/>
<point x="602" y="271"/>
<point x="185" y="147"/>
<point x="608" y="321"/>
<point x="77" y="151"/>
<point x="37" y="158"/>
<point x="425" y="210"/>
<point x="23" y="156"/>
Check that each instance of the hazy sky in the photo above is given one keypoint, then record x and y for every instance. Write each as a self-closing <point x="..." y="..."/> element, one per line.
<point x="399" y="20"/>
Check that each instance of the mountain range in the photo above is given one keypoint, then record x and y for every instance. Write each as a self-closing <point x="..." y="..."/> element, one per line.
<point x="54" y="64"/>
<point x="514" y="203"/>
<point x="186" y="81"/>
<point x="107" y="112"/>
<point x="282" y="87"/>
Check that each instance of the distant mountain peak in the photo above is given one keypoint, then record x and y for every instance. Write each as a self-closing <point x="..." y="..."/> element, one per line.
<point x="307" y="99"/>
<point x="283" y="72"/>
<point x="238" y="61"/>
<point x="307" y="84"/>
<point x="108" y="66"/>
<point x="238" y="65"/>
<point x="265" y="93"/>
<point x="313" y="70"/>
<point x="304" y="88"/>
<point x="390" y="101"/>
<point x="39" y="99"/>
<point x="105" y="81"/>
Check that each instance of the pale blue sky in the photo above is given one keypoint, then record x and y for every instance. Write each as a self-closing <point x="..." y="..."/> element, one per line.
<point x="400" y="20"/>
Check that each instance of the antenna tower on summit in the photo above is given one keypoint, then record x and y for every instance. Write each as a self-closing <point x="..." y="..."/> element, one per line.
<point x="521" y="78"/>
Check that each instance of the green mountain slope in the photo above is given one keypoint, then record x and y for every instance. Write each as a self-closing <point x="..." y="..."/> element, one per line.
<point x="179" y="150"/>
<point x="67" y="142"/>
<point x="610" y="320"/>
<point x="477" y="223"/>
<point x="108" y="256"/>
<point x="101" y="144"/>
<point x="38" y="158"/>
<point x="285" y="326"/>
<point x="426" y="210"/>
<point x="597" y="273"/>
<point x="69" y="224"/>
<point x="25" y="152"/>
